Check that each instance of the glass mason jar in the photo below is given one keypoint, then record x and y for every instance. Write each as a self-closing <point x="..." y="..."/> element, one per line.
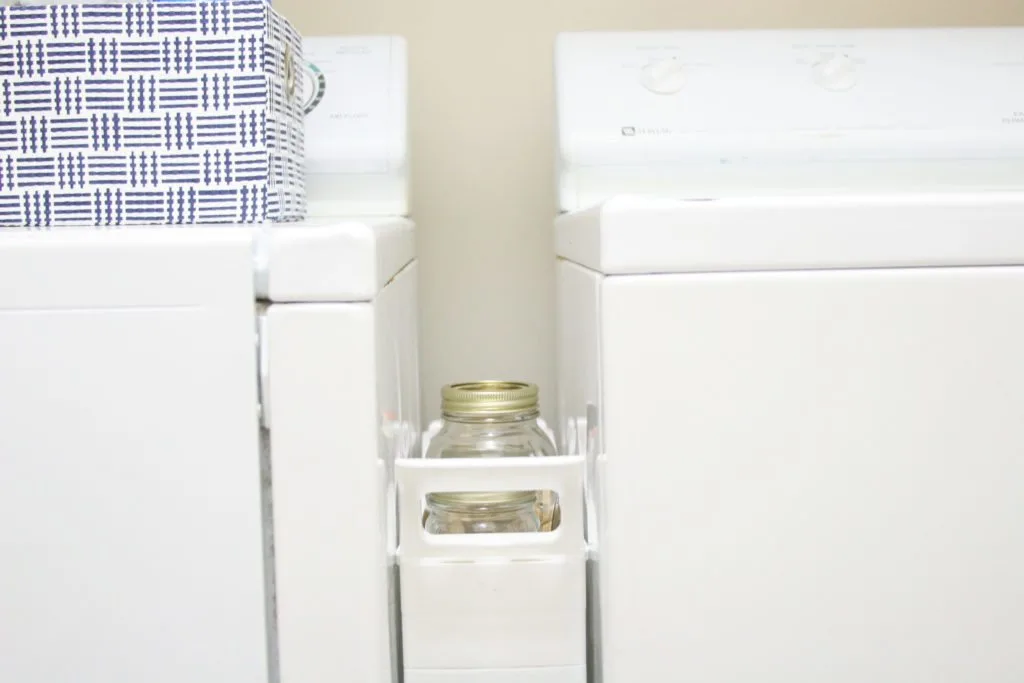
<point x="452" y="513"/>
<point x="490" y="420"/>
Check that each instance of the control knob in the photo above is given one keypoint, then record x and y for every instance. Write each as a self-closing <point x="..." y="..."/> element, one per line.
<point x="835" y="72"/>
<point x="663" y="76"/>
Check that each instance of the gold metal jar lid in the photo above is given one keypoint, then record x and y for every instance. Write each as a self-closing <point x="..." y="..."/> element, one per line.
<point x="489" y="398"/>
<point x="483" y="502"/>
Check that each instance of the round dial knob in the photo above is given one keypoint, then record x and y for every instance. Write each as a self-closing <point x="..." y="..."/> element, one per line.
<point x="835" y="72"/>
<point x="663" y="76"/>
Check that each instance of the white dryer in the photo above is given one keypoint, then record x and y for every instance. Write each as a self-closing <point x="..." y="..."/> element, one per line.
<point x="803" y="410"/>
<point x="197" y="427"/>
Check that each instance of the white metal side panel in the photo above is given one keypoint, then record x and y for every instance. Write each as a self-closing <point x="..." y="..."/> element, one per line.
<point x="343" y="405"/>
<point x="579" y="377"/>
<point x="328" y="545"/>
<point x="579" y="383"/>
<point x="814" y="476"/>
<point x="398" y="396"/>
<point x="129" y="461"/>
<point x="397" y="342"/>
<point x="579" y="415"/>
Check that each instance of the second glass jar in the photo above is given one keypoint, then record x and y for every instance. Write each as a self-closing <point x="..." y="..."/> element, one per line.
<point x="490" y="419"/>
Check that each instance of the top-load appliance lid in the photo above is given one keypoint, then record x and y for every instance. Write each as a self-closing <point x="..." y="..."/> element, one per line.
<point x="357" y="153"/>
<point x="694" y="114"/>
<point x="330" y="259"/>
<point x="315" y="260"/>
<point x="641" y="236"/>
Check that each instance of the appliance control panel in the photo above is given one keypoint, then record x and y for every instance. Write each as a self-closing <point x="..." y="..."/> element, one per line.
<point x="354" y="92"/>
<point x="665" y="96"/>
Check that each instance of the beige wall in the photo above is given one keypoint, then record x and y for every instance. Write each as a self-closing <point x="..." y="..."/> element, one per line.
<point x="481" y="115"/>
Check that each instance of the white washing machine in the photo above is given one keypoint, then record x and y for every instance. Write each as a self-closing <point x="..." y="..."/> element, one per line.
<point x="802" y="402"/>
<point x="148" y="377"/>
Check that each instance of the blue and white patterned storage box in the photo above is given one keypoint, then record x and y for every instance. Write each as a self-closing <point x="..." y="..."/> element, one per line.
<point x="150" y="113"/>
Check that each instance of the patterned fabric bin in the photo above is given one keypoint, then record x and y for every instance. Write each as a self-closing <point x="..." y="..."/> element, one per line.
<point x="150" y="113"/>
